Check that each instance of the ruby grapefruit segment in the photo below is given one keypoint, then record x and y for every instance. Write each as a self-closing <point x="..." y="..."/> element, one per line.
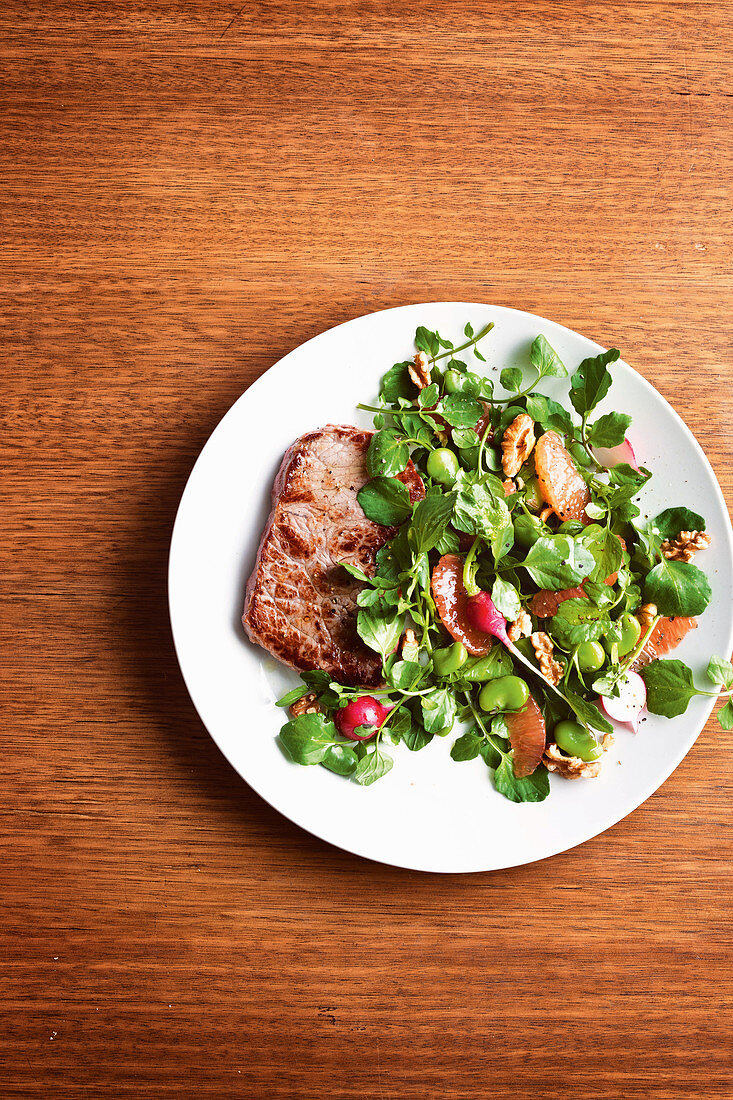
<point x="667" y="634"/>
<point x="451" y="600"/>
<point x="561" y="484"/>
<point x="528" y="737"/>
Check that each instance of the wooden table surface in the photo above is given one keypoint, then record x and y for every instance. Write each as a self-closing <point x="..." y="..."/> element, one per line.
<point x="190" y="190"/>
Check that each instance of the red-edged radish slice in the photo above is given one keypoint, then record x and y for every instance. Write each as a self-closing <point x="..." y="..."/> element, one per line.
<point x="612" y="456"/>
<point x="628" y="704"/>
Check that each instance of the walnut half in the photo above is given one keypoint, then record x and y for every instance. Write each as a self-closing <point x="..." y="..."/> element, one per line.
<point x="543" y="650"/>
<point x="521" y="627"/>
<point x="572" y="767"/>
<point x="419" y="370"/>
<point x="307" y="704"/>
<point x="517" y="444"/>
<point x="646" y="614"/>
<point x="685" y="546"/>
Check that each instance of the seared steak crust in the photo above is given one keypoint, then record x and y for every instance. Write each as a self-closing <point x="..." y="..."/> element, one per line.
<point x="300" y="605"/>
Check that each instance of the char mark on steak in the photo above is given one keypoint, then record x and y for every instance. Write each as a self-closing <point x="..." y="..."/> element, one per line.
<point x="300" y="604"/>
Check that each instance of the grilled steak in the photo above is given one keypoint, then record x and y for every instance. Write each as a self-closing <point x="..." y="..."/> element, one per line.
<point x="300" y="604"/>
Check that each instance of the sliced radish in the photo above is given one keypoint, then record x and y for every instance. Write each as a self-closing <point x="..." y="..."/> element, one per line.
<point x="628" y="704"/>
<point x="612" y="456"/>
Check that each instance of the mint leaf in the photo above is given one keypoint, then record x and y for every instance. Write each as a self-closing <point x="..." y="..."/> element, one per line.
<point x="415" y="737"/>
<point x="592" y="381"/>
<point x="428" y="396"/>
<point x="532" y="788"/>
<point x="380" y="632"/>
<point x="545" y="359"/>
<point x="677" y="588"/>
<point x="461" y="410"/>
<point x="307" y="738"/>
<point x="388" y="454"/>
<point x="673" y="520"/>
<point x="463" y="438"/>
<point x="625" y="482"/>
<point x="609" y="430"/>
<point x="466" y="747"/>
<point x="558" y="561"/>
<point x="491" y="754"/>
<point x="599" y="593"/>
<point x="320" y="682"/>
<point x="650" y="540"/>
<point x="354" y="571"/>
<point x="720" y="671"/>
<point x="406" y="675"/>
<point x="669" y="687"/>
<point x="479" y="669"/>
<point x="448" y="543"/>
<point x="385" y="500"/>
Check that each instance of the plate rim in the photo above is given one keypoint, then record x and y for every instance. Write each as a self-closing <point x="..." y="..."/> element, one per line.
<point x="295" y="817"/>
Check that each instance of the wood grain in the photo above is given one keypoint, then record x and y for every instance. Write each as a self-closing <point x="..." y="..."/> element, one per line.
<point x="190" y="190"/>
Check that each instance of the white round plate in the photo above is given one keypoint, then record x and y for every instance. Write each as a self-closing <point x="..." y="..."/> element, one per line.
<point x="428" y="813"/>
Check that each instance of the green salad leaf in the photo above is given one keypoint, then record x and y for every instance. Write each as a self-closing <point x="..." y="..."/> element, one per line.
<point x="385" y="500"/>
<point x="545" y="359"/>
<point x="677" y="588"/>
<point x="467" y="746"/>
<point x="373" y="766"/>
<point x="558" y="561"/>
<point x="429" y="521"/>
<point x="481" y="509"/>
<point x="609" y="430"/>
<point x="531" y="788"/>
<point x="669" y="687"/>
<point x="388" y="454"/>
<point x="307" y="738"/>
<point x="592" y="381"/>
<point x="381" y="632"/>
<point x="671" y="521"/>
<point x="460" y="410"/>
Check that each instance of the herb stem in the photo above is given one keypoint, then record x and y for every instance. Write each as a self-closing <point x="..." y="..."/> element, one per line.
<point x="484" y="437"/>
<point x="586" y="445"/>
<point x="469" y="343"/>
<point x="468" y="580"/>
<point x="474" y="712"/>
<point x="639" y="647"/>
<point x="377" y="409"/>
